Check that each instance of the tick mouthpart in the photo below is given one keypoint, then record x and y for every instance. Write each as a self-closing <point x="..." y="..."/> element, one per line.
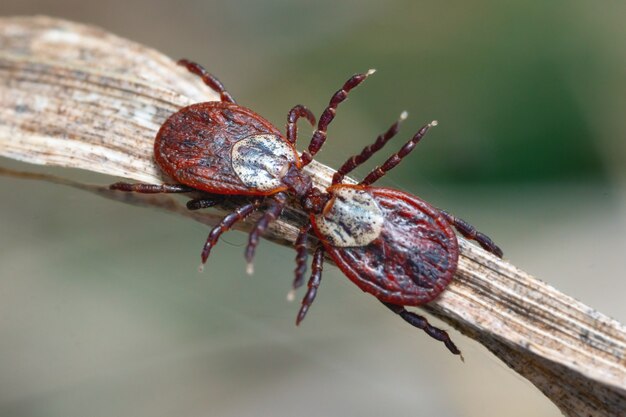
<point x="328" y="206"/>
<point x="283" y="170"/>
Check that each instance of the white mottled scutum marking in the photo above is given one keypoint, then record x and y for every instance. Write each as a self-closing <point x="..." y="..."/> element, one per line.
<point x="353" y="220"/>
<point x="260" y="161"/>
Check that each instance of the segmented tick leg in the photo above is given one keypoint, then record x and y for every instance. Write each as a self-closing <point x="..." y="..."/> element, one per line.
<point x="380" y="171"/>
<point x="208" y="78"/>
<point x="225" y="225"/>
<point x="367" y="152"/>
<point x="421" y="323"/>
<point x="275" y="208"/>
<point x="470" y="232"/>
<point x="319" y="137"/>
<point x="150" y="188"/>
<point x="295" y="113"/>
<point x="314" y="283"/>
<point x="301" y="256"/>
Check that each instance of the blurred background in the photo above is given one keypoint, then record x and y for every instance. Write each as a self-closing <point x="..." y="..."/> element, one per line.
<point x="103" y="313"/>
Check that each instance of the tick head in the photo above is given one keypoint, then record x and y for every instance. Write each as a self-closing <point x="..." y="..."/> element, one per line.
<point x="315" y="200"/>
<point x="297" y="181"/>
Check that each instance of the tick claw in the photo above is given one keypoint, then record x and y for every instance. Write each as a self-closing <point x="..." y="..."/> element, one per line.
<point x="250" y="268"/>
<point x="291" y="295"/>
<point x="201" y="268"/>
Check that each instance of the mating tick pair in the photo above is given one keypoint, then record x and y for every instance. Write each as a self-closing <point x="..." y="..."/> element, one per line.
<point x="389" y="243"/>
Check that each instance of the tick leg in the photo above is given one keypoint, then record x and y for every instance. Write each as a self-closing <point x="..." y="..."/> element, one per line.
<point x="397" y="157"/>
<point x="314" y="283"/>
<point x="368" y="151"/>
<point x="295" y="113"/>
<point x="470" y="232"/>
<point x="301" y="255"/>
<point x="319" y="137"/>
<point x="225" y="225"/>
<point x="208" y="78"/>
<point x="277" y="204"/>
<point x="150" y="188"/>
<point x="421" y="323"/>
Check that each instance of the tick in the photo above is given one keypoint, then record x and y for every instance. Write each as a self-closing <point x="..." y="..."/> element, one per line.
<point x="391" y="244"/>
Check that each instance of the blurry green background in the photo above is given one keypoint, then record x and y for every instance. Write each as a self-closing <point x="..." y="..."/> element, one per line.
<point x="102" y="311"/>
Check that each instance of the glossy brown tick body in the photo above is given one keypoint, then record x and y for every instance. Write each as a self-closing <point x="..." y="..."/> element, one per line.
<point x="389" y="243"/>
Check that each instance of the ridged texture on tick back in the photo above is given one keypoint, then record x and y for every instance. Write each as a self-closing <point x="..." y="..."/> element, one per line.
<point x="413" y="259"/>
<point x="194" y="146"/>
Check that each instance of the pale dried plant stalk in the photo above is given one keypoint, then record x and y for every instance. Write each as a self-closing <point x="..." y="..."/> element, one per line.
<point x="78" y="97"/>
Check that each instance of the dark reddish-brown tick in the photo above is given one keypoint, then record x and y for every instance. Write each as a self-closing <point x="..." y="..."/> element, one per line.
<point x="391" y="244"/>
